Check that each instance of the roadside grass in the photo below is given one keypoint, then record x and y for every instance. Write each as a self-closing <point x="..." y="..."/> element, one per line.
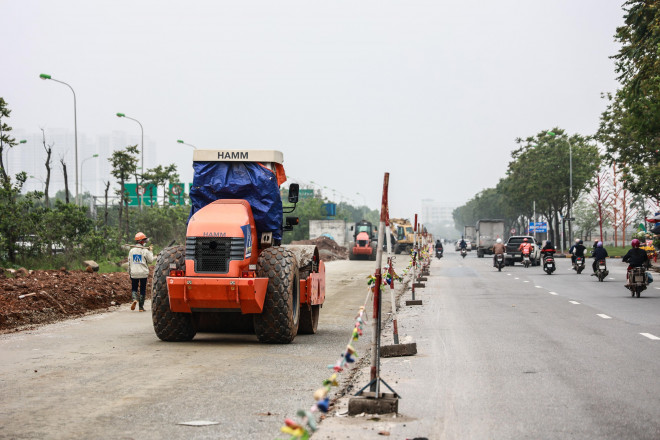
<point x="56" y="262"/>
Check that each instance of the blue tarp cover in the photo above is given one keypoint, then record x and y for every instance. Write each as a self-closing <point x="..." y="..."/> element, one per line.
<point x="239" y="180"/>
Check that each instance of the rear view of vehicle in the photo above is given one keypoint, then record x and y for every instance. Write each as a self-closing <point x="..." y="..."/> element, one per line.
<point x="637" y="281"/>
<point x="601" y="271"/>
<point x="233" y="274"/>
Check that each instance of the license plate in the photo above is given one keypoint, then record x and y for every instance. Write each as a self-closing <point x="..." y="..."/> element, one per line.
<point x="601" y="267"/>
<point x="550" y="265"/>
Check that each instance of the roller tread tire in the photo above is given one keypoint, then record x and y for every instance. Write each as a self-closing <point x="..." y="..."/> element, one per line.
<point x="309" y="319"/>
<point x="169" y="326"/>
<point x="279" y="320"/>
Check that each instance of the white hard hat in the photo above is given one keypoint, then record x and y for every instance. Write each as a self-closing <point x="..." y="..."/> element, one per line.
<point x="499" y="240"/>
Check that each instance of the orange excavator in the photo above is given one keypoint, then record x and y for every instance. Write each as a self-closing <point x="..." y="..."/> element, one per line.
<point x="233" y="274"/>
<point x="363" y="245"/>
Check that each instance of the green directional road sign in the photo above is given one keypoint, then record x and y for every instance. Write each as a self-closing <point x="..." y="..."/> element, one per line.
<point x="306" y="193"/>
<point x="177" y="193"/>
<point x="148" y="191"/>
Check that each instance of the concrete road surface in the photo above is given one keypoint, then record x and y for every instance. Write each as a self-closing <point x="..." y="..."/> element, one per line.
<point x="519" y="354"/>
<point x="108" y="376"/>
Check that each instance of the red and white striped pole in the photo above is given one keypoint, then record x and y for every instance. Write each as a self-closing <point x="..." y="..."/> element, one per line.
<point x="375" y="345"/>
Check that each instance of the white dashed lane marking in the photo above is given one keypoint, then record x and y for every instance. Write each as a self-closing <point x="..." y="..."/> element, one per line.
<point x="516" y="278"/>
<point x="574" y="302"/>
<point x="553" y="293"/>
<point x="526" y="281"/>
<point x="538" y="287"/>
<point x="650" y="336"/>
<point x="604" y="316"/>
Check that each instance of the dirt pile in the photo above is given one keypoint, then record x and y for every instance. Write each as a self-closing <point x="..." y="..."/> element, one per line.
<point x="45" y="296"/>
<point x="329" y="250"/>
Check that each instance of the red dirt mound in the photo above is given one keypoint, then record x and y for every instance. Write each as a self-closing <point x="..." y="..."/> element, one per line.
<point x="54" y="295"/>
<point x="329" y="250"/>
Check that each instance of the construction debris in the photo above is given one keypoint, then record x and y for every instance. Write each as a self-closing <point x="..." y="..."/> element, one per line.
<point x="329" y="250"/>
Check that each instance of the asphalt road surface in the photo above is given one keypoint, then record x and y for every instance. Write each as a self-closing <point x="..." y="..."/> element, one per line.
<point x="108" y="376"/>
<point x="520" y="354"/>
<point x="516" y="354"/>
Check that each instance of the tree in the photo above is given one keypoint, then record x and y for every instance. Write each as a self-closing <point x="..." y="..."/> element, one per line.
<point x="161" y="176"/>
<point x="49" y="151"/>
<point x="124" y="165"/>
<point x="540" y="172"/>
<point x="66" y="179"/>
<point x="6" y="140"/>
<point x="630" y="126"/>
<point x="16" y="220"/>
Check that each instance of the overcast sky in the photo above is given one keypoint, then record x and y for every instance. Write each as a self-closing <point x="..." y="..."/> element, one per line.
<point x="435" y="92"/>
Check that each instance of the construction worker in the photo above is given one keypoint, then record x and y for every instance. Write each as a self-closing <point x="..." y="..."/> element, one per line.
<point x="139" y="259"/>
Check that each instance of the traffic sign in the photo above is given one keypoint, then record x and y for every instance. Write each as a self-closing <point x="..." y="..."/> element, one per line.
<point x="513" y="230"/>
<point x="177" y="196"/>
<point x="535" y="227"/>
<point x="149" y="194"/>
<point x="306" y="193"/>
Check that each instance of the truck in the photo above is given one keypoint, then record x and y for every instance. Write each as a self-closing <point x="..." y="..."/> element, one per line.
<point x="470" y="235"/>
<point x="513" y="253"/>
<point x="487" y="231"/>
<point x="403" y="233"/>
<point x="364" y="243"/>
<point x="233" y="274"/>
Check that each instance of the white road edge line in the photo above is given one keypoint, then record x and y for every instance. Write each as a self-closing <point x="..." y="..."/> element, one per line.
<point x="574" y="302"/>
<point x="650" y="336"/>
<point x="553" y="293"/>
<point x="603" y="316"/>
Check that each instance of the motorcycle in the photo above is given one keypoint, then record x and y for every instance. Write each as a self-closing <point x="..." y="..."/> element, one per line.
<point x="438" y="253"/>
<point x="463" y="252"/>
<point x="526" y="261"/>
<point x="602" y="271"/>
<point x="579" y="265"/>
<point x="637" y="281"/>
<point x="499" y="262"/>
<point x="549" y="264"/>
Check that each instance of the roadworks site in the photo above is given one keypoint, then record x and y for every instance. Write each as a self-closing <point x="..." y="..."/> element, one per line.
<point x="34" y="297"/>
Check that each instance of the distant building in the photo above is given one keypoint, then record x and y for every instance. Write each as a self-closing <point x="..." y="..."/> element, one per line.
<point x="31" y="157"/>
<point x="435" y="213"/>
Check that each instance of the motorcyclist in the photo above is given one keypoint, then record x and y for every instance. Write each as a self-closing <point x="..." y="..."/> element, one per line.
<point x="599" y="253"/>
<point x="438" y="248"/>
<point x="635" y="257"/>
<point x="577" y="250"/>
<point x="462" y="244"/>
<point x="525" y="247"/>
<point x="548" y="249"/>
<point x="498" y="249"/>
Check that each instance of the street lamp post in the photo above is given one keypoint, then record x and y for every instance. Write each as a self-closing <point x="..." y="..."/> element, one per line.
<point x="570" y="187"/>
<point x="122" y="115"/>
<point x="6" y="163"/>
<point x="75" y="124"/>
<point x="81" y="170"/>
<point x="190" y="145"/>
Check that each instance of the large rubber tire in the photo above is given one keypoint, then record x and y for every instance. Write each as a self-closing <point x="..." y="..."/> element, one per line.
<point x="351" y="255"/>
<point x="278" y="322"/>
<point x="309" y="319"/>
<point x="169" y="326"/>
<point x="374" y="250"/>
<point x="580" y="269"/>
